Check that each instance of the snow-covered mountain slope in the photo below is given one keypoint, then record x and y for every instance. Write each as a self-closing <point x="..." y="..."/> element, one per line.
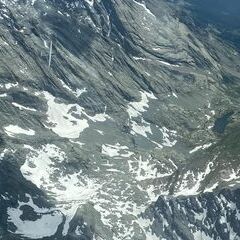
<point x="119" y="120"/>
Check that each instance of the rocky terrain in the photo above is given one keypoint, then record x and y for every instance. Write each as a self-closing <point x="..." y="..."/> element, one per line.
<point x="119" y="120"/>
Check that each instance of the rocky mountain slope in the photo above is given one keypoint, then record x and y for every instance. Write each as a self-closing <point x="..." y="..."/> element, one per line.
<point x="119" y="120"/>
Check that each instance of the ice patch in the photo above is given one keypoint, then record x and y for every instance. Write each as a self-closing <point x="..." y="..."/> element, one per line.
<point x="192" y="179"/>
<point x="21" y="107"/>
<point x="76" y="93"/>
<point x="45" y="226"/>
<point x="8" y="85"/>
<point x="174" y="94"/>
<point x="134" y="109"/>
<point x="232" y="176"/>
<point x="116" y="150"/>
<point x="210" y="189"/>
<point x="61" y="120"/>
<point x="205" y="146"/>
<point x="43" y="168"/>
<point x="166" y="137"/>
<point x="13" y="130"/>
<point x="142" y="129"/>
<point x="69" y="120"/>
<point x="143" y="5"/>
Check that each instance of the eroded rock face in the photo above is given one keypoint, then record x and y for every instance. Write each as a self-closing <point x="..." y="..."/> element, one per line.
<point x="119" y="120"/>
<point x="207" y="216"/>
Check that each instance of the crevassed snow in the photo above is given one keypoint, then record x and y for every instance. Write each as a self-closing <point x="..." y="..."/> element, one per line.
<point x="45" y="226"/>
<point x="13" y="130"/>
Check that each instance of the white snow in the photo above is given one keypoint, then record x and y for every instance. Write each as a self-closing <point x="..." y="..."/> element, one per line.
<point x="43" y="168"/>
<point x="205" y="146"/>
<point x="166" y="137"/>
<point x="143" y="5"/>
<point x="63" y="123"/>
<point x="8" y="85"/>
<point x="77" y="93"/>
<point x="174" y="94"/>
<point x="195" y="149"/>
<point x="210" y="189"/>
<point x="135" y="109"/>
<point x="147" y="169"/>
<point x="13" y="130"/>
<point x="45" y="44"/>
<point x="45" y="226"/>
<point x="116" y="150"/>
<point x="141" y="58"/>
<point x="90" y="2"/>
<point x="69" y="120"/>
<point x="187" y="187"/>
<point x="232" y="176"/>
<point x="167" y="63"/>
<point x="200" y="235"/>
<point x="142" y="129"/>
<point x="21" y="107"/>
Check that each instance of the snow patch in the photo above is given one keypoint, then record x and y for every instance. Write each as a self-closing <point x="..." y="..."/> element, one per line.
<point x="21" y="107"/>
<point x="45" y="226"/>
<point x="13" y="130"/>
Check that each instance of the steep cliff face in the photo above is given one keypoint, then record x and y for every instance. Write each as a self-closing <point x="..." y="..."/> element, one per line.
<point x="119" y="120"/>
<point x="207" y="216"/>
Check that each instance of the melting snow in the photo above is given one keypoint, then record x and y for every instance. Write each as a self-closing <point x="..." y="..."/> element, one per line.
<point x="197" y="178"/>
<point x="42" y="167"/>
<point x="13" y="130"/>
<point x="21" y="107"/>
<point x="69" y="120"/>
<point x="143" y="5"/>
<point x="142" y="129"/>
<point x="115" y="150"/>
<point x="45" y="226"/>
<point x="135" y="109"/>
<point x="60" y="116"/>
<point x="205" y="146"/>
<point x="77" y="92"/>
